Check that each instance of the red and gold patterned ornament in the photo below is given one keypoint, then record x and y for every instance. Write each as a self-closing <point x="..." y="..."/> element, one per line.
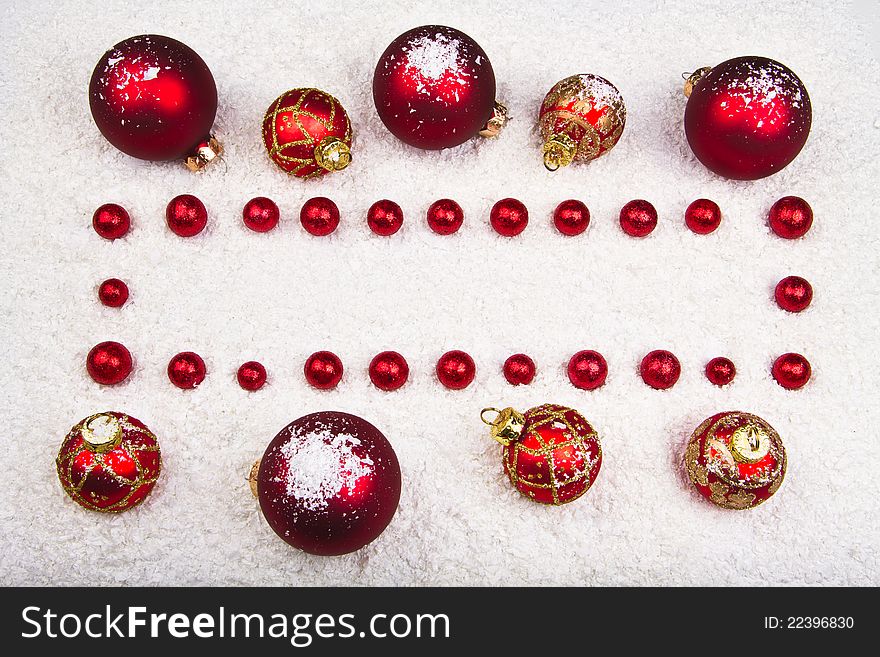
<point x="550" y="453"/>
<point x="581" y="118"/>
<point x="109" y="462"/>
<point x="307" y="133"/>
<point x="736" y="460"/>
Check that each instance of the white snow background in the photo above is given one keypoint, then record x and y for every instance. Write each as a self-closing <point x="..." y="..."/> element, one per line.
<point x="233" y="295"/>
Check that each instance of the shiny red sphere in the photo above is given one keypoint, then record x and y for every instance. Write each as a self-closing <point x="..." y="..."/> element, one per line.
<point x="109" y="363"/>
<point x="791" y="217"/>
<point x="792" y="371"/>
<point x="509" y="217"/>
<point x="587" y="370"/>
<point x="445" y="216"/>
<point x="186" y="215"/>
<point x="329" y="483"/>
<point x="660" y="369"/>
<point x="793" y="294"/>
<point x="571" y="217"/>
<point x="456" y="369"/>
<point x="385" y="217"/>
<point x="388" y="370"/>
<point x="519" y="370"/>
<point x="638" y="218"/>
<point x="251" y="375"/>
<point x="319" y="216"/>
<point x="748" y="118"/>
<point x="260" y="214"/>
<point x="702" y="216"/>
<point x="434" y="87"/>
<point x="323" y="370"/>
<point x="720" y="371"/>
<point x="153" y="98"/>
<point x="113" y="293"/>
<point x="111" y="221"/>
<point x="186" y="370"/>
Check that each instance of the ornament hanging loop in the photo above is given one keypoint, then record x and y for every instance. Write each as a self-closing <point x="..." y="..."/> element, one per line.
<point x="332" y="154"/>
<point x="507" y="426"/>
<point x="497" y="122"/>
<point x="559" y="151"/>
<point x="101" y="433"/>
<point x="691" y="79"/>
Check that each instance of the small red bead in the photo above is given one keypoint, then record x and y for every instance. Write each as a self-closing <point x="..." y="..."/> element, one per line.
<point x="720" y="371"/>
<point x="260" y="214"/>
<point x="660" y="369"/>
<point x="792" y="371"/>
<point x="456" y="369"/>
<point x="111" y="221"/>
<point x="186" y="370"/>
<point x="702" y="216"/>
<point x="113" y="292"/>
<point x="109" y="363"/>
<point x="251" y="375"/>
<point x="638" y="218"/>
<point x="445" y="216"/>
<point x="793" y="294"/>
<point x="186" y="215"/>
<point x="323" y="370"/>
<point x="587" y="370"/>
<point x="571" y="217"/>
<point x="519" y="370"/>
<point x="791" y="217"/>
<point x="509" y="217"/>
<point x="385" y="217"/>
<point x="319" y="216"/>
<point x="388" y="370"/>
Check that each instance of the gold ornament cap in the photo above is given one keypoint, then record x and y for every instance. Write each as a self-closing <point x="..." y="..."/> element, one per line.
<point x="749" y="444"/>
<point x="496" y="122"/>
<point x="507" y="426"/>
<point x="332" y="154"/>
<point x="205" y="153"/>
<point x="691" y="79"/>
<point x="559" y="151"/>
<point x="252" y="478"/>
<point x="101" y="433"/>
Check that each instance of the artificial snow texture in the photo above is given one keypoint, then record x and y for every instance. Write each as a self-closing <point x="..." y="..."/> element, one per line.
<point x="233" y="295"/>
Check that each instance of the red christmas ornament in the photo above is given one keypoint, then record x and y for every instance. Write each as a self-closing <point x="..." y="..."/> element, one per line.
<point x="319" y="216"/>
<point x="456" y="369"/>
<point x="735" y="460"/>
<point x="186" y="215"/>
<point x="746" y="118"/>
<point x="509" y="217"/>
<point x="389" y="370"/>
<point x="791" y="217"/>
<point x="113" y="293"/>
<point x="587" y="370"/>
<point x="109" y="363"/>
<point x="551" y="454"/>
<point x="186" y="370"/>
<point x="581" y="118"/>
<point x="638" y="218"/>
<point x="109" y="462"/>
<point x="445" y="216"/>
<point x="323" y="370"/>
<point x="720" y="371"/>
<point x="660" y="369"/>
<point x="111" y="221"/>
<point x="251" y="375"/>
<point x="260" y="214"/>
<point x="792" y="371"/>
<point x="519" y="370"/>
<point x="571" y="217"/>
<point x="385" y="217"/>
<point x="793" y="294"/>
<point x="702" y="216"/>
<point x="328" y="483"/>
<point x="155" y="99"/>
<point x="434" y="88"/>
<point x="307" y="133"/>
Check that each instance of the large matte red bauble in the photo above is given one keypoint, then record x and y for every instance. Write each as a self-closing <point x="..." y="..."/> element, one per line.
<point x="702" y="216"/>
<point x="251" y="376"/>
<point x="747" y="118"/>
<point x="638" y="218"/>
<point x="385" y="217"/>
<point x="660" y="369"/>
<point x="111" y="221"/>
<point x="793" y="294"/>
<point x="323" y="370"/>
<point x="109" y="363"/>
<point x="186" y="370"/>
<point x="587" y="370"/>
<point x="109" y="462"/>
<point x="445" y="216"/>
<point x="720" y="371"/>
<point x="791" y="217"/>
<point x="154" y="98"/>
<point x="434" y="87"/>
<point x="113" y="293"/>
<point x="260" y="214"/>
<point x="186" y="215"/>
<point x="328" y="483"/>
<point x="519" y="370"/>
<point x="792" y="371"/>
<point x="388" y="370"/>
<point x="571" y="217"/>
<point x="319" y="216"/>
<point x="456" y="369"/>
<point x="509" y="217"/>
